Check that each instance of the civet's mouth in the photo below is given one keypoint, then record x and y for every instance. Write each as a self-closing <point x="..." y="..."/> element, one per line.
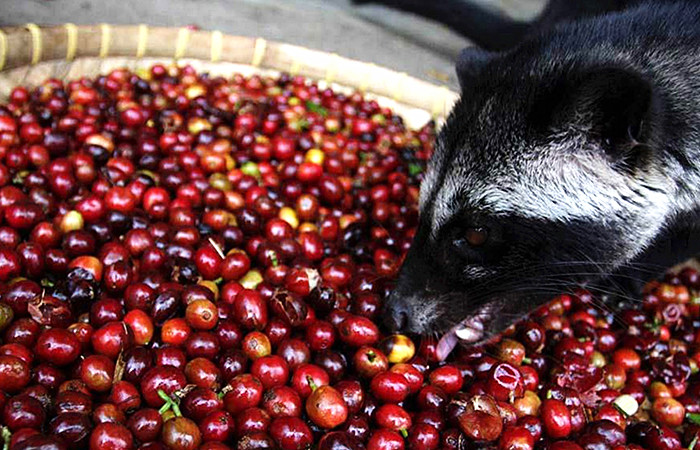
<point x="468" y="331"/>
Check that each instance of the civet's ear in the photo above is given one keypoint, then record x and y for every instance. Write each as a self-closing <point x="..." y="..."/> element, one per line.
<point x="470" y="62"/>
<point x="615" y="104"/>
<point x="619" y="104"/>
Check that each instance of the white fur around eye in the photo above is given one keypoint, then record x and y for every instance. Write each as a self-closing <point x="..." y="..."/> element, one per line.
<point x="552" y="184"/>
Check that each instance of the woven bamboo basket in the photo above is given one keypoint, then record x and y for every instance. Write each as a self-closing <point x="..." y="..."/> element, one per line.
<point x="30" y="54"/>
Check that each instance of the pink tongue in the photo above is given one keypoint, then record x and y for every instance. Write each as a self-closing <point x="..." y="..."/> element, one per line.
<point x="446" y="344"/>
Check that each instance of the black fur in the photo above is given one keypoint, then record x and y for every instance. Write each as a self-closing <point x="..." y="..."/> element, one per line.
<point x="622" y="90"/>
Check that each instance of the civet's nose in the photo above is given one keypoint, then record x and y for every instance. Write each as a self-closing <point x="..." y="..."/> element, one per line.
<point x="396" y="313"/>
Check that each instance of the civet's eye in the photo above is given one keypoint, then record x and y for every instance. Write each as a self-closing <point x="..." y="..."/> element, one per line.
<point x="476" y="237"/>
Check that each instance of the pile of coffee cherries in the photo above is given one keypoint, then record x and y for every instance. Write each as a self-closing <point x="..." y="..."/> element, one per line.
<point x="189" y="261"/>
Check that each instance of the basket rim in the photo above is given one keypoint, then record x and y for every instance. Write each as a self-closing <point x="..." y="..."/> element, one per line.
<point x="31" y="45"/>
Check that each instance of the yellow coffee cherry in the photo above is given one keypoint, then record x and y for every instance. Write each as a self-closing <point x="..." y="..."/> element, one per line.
<point x="72" y="221"/>
<point x="398" y="348"/>
<point x="307" y="226"/>
<point x="220" y="182"/>
<point x="211" y="286"/>
<point x="315" y="156"/>
<point x="251" y="280"/>
<point x="198" y="124"/>
<point x="290" y="216"/>
<point x="194" y="91"/>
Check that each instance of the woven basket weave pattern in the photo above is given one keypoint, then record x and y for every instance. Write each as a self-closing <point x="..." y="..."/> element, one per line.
<point x="31" y="54"/>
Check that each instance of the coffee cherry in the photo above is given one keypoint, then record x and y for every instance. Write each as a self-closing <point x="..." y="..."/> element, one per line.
<point x="556" y="418"/>
<point x="111" y="435"/>
<point x="290" y="433"/>
<point x="326" y="407"/>
<point x="390" y="387"/>
<point x="181" y="433"/>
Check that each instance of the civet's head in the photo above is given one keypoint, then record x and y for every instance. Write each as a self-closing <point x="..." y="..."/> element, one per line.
<point x="544" y="175"/>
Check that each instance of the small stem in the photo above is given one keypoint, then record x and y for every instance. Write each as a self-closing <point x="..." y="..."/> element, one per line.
<point x="311" y="383"/>
<point x="181" y="393"/>
<point x="217" y="248"/>
<point x="225" y="390"/>
<point x="165" y="408"/>
<point x="371" y="356"/>
<point x="170" y="403"/>
<point x="527" y="360"/>
<point x="166" y="398"/>
<point x="176" y="409"/>
<point x="403" y="432"/>
<point x="6" y="437"/>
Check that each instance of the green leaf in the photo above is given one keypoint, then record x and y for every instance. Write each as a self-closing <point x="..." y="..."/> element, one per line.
<point x="693" y="418"/>
<point x="316" y="108"/>
<point x="414" y="169"/>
